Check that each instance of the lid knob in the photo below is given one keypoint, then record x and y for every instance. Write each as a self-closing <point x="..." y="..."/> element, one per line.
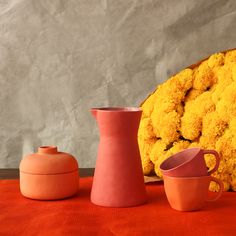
<point x="47" y="149"/>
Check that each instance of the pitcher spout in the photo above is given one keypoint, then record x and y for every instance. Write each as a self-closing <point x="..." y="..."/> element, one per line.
<point x="94" y="112"/>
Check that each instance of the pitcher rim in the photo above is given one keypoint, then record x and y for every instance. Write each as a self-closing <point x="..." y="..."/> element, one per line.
<point x="117" y="109"/>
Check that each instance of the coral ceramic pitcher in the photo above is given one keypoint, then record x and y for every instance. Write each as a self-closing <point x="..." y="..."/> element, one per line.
<point x="118" y="178"/>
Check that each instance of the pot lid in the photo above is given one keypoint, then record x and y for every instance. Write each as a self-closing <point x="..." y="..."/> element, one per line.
<point x="48" y="161"/>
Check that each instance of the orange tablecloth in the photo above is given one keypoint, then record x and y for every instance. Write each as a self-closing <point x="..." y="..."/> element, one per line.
<point x="77" y="216"/>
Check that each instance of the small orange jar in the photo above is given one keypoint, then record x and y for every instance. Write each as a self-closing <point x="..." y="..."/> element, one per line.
<point x="49" y="174"/>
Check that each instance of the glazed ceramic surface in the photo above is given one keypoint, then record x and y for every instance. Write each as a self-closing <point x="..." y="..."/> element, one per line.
<point x="49" y="174"/>
<point x="118" y="178"/>
<point x="189" y="162"/>
<point x="189" y="193"/>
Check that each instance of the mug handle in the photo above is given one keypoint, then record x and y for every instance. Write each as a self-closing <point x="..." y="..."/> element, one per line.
<point x="217" y="156"/>
<point x="220" y="183"/>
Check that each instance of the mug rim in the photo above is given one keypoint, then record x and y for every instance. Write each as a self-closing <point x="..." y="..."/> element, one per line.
<point x="165" y="162"/>
<point x="186" y="178"/>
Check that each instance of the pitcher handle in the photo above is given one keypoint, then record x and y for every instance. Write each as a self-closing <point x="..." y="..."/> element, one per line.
<point x="217" y="157"/>
<point x="221" y="185"/>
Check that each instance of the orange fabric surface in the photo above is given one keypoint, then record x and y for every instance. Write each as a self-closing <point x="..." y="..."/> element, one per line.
<point x="78" y="216"/>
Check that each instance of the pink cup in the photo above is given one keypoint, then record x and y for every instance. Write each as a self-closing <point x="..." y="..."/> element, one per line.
<point x="189" y="163"/>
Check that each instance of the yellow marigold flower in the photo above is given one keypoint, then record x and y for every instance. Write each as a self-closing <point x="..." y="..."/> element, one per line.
<point x="194" y="108"/>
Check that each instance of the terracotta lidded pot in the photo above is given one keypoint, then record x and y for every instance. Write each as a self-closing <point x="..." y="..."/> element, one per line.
<point x="49" y="174"/>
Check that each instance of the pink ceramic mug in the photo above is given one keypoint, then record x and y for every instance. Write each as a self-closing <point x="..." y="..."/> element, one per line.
<point x="189" y="193"/>
<point x="189" y="163"/>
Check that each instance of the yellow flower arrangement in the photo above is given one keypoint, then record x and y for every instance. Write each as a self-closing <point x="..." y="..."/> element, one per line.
<point x="194" y="108"/>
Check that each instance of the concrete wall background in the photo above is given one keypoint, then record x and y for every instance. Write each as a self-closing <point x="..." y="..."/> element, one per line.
<point x="58" y="58"/>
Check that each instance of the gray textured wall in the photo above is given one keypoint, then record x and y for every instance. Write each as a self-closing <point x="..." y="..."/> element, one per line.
<point x="58" y="58"/>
